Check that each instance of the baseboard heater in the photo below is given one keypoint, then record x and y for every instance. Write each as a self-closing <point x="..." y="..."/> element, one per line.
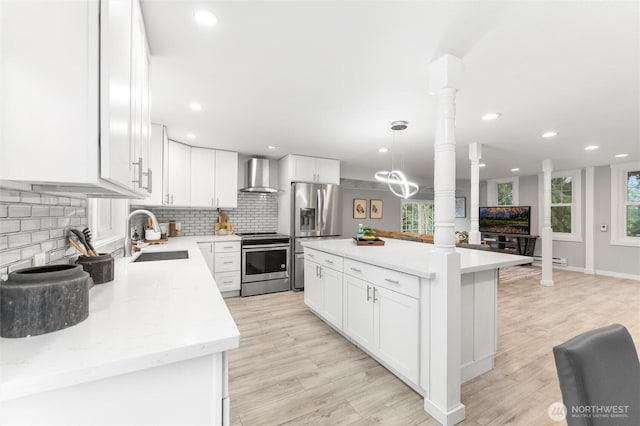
<point x="559" y="261"/>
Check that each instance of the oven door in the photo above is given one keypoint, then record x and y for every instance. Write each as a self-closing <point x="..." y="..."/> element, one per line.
<point x="265" y="262"/>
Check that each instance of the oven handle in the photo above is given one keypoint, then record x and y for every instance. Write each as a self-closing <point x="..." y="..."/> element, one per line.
<point x="264" y="247"/>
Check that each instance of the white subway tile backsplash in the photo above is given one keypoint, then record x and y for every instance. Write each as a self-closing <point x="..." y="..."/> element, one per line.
<point x="29" y="224"/>
<point x="9" y="196"/>
<point x="19" y="239"/>
<point x="255" y="213"/>
<point x="33" y="223"/>
<point x="7" y="226"/>
<point x="19" y="211"/>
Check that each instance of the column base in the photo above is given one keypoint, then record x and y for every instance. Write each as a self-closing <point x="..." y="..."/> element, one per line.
<point x="475" y="237"/>
<point x="547" y="283"/>
<point x="445" y="418"/>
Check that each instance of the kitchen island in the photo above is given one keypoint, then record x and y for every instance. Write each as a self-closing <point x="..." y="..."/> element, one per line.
<point x="152" y="351"/>
<point x="381" y="299"/>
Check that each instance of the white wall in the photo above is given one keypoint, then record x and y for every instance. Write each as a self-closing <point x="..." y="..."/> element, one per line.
<point x="609" y="259"/>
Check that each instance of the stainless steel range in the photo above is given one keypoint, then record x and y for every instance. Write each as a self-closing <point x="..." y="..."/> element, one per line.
<point x="265" y="263"/>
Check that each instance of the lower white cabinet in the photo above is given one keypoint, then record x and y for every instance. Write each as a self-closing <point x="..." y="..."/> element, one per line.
<point x="323" y="291"/>
<point x="384" y="322"/>
<point x="223" y="260"/>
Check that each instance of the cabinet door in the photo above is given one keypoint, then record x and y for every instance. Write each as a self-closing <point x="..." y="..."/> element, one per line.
<point x="396" y="322"/>
<point x="202" y="177"/>
<point x="207" y="252"/>
<point x="328" y="171"/>
<point x="332" y="296"/>
<point x="155" y="179"/>
<point x="313" y="292"/>
<point x="303" y="169"/>
<point x="357" y="320"/>
<point x="179" y="174"/>
<point x="116" y="162"/>
<point x="226" y="179"/>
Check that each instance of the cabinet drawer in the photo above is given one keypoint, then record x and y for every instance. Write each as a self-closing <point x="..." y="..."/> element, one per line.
<point x="229" y="246"/>
<point x="324" y="259"/>
<point x="228" y="281"/>
<point x="226" y="262"/>
<point x="392" y="280"/>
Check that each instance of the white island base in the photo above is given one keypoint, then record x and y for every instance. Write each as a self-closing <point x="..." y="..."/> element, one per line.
<point x="186" y="392"/>
<point x="380" y="298"/>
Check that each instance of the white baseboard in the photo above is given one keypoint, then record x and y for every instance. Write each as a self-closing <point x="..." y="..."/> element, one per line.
<point x="595" y="272"/>
<point x="618" y="275"/>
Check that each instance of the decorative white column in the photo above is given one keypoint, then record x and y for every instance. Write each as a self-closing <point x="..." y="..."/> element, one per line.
<point x="589" y="230"/>
<point x="547" y="232"/>
<point x="441" y="362"/>
<point x="475" y="154"/>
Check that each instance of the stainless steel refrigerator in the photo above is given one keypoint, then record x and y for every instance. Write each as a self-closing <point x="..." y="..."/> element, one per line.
<point x="316" y="214"/>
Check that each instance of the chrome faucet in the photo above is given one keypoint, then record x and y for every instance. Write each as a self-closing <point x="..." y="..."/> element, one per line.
<point x="127" y="238"/>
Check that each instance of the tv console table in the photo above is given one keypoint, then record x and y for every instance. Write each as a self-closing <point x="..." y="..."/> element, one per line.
<point x="524" y="245"/>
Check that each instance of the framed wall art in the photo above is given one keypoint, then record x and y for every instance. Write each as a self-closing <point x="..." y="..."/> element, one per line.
<point x="359" y="208"/>
<point x="376" y="209"/>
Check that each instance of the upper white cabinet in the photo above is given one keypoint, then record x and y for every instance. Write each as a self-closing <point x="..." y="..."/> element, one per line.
<point x="226" y="179"/>
<point x="312" y="169"/>
<point x="74" y="105"/>
<point x="178" y="174"/>
<point x="158" y="145"/>
<point x="203" y="177"/>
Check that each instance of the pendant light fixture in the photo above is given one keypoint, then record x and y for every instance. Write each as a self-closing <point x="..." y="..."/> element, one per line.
<point x="397" y="181"/>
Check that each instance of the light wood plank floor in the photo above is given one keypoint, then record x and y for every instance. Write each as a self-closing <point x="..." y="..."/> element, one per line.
<point x="293" y="369"/>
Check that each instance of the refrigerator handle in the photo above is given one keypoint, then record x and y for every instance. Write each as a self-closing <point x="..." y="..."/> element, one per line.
<point x="319" y="211"/>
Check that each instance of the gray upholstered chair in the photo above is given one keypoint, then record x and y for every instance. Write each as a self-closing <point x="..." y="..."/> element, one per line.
<point x="599" y="374"/>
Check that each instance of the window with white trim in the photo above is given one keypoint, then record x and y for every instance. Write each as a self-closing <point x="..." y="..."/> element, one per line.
<point x="106" y="219"/>
<point x="625" y="204"/>
<point x="418" y="216"/>
<point x="503" y="192"/>
<point x="566" y="205"/>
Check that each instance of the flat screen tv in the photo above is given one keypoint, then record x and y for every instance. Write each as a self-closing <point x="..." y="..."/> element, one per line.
<point x="506" y="220"/>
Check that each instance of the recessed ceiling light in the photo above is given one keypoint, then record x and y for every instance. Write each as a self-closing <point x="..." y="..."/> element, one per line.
<point x="271" y="147"/>
<point x="621" y="155"/>
<point x="591" y="147"/>
<point x="196" y="107"/>
<point x="383" y="150"/>
<point x="549" y="134"/>
<point x="515" y="169"/>
<point x="191" y="136"/>
<point x="482" y="165"/>
<point x="491" y="116"/>
<point x="205" y="17"/>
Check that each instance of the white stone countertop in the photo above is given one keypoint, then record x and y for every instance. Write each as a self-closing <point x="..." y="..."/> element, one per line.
<point x="413" y="257"/>
<point x="152" y="313"/>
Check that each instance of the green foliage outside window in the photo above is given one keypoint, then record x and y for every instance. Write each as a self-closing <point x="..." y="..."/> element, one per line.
<point x="561" y="207"/>
<point x="633" y="204"/>
<point x="418" y="217"/>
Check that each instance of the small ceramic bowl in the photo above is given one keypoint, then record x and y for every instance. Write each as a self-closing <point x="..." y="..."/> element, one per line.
<point x="151" y="235"/>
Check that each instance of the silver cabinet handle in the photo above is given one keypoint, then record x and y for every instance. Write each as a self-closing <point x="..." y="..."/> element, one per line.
<point x="320" y="271"/>
<point x="212" y="201"/>
<point x="311" y="255"/>
<point x="368" y="293"/>
<point x="210" y="248"/>
<point x="375" y="290"/>
<point x="150" y="181"/>
<point x="228" y="247"/>
<point x="167" y="196"/>
<point x="139" y="164"/>
<point x="228" y="263"/>
<point x="227" y="282"/>
<point x="330" y="262"/>
<point x="317" y="273"/>
<point x="356" y="269"/>
<point x="171" y="199"/>
<point x="389" y="280"/>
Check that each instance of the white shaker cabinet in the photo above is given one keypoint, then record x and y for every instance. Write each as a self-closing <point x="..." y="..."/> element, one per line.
<point x="209" y="255"/>
<point x="358" y="311"/>
<point x="313" y="294"/>
<point x="67" y="92"/>
<point x="203" y="177"/>
<point x="323" y="290"/>
<point x="312" y="169"/>
<point x="226" y="179"/>
<point x="178" y="175"/>
<point x="223" y="260"/>
<point x="158" y="145"/>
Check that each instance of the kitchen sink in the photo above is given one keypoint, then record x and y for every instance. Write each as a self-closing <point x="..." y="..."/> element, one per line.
<point x="162" y="255"/>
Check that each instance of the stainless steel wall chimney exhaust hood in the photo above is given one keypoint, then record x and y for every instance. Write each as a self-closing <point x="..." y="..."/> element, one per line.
<point x="258" y="176"/>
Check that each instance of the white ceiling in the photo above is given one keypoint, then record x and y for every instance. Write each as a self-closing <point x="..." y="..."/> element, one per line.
<point x="327" y="78"/>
